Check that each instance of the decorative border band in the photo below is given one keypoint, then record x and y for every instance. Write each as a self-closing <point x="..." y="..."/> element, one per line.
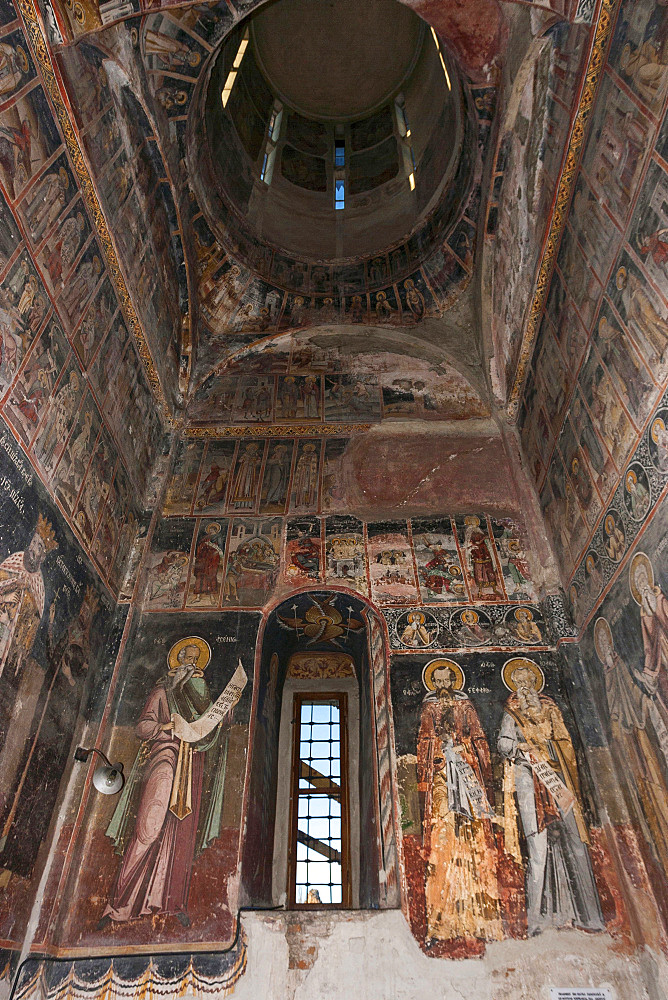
<point x="277" y="430"/>
<point x="604" y="27"/>
<point x="40" y="48"/>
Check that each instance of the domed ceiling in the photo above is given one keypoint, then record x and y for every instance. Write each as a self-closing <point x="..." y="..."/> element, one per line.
<point x="328" y="162"/>
<point x="221" y="257"/>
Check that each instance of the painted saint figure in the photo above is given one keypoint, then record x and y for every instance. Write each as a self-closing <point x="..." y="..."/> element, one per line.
<point x="541" y="782"/>
<point x="174" y="793"/>
<point x="654" y="624"/>
<point x="306" y="477"/>
<point x="638" y="728"/>
<point x="28" y="766"/>
<point x="454" y="781"/>
<point x="245" y="480"/>
<point x="208" y="556"/>
<point x="481" y="559"/>
<point x="22" y="597"/>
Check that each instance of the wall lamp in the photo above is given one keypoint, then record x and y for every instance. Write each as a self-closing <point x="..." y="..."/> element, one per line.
<point x="108" y="778"/>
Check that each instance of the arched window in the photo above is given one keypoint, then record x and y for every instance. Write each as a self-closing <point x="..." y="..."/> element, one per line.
<point x="320" y="821"/>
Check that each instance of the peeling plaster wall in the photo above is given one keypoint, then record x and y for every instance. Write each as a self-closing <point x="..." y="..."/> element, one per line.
<point x="308" y="957"/>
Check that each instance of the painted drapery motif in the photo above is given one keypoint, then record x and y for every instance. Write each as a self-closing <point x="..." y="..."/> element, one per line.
<point x="174" y="793"/>
<point x="541" y="786"/>
<point x="453" y="764"/>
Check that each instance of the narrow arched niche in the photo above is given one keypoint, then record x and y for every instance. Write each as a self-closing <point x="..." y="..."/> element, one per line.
<point x="338" y="623"/>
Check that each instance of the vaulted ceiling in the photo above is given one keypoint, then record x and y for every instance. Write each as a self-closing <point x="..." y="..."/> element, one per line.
<point x="437" y="303"/>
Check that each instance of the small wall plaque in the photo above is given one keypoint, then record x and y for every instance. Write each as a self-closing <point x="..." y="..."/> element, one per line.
<point x="580" y="993"/>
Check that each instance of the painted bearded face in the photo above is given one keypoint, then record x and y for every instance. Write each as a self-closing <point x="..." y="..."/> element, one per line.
<point x="443" y="680"/>
<point x="189" y="656"/>
<point x="642" y="580"/>
<point x="523" y="680"/>
<point x="34" y="554"/>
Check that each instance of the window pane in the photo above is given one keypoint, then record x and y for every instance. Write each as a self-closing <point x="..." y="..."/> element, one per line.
<point x="319" y="814"/>
<point x="320" y="750"/>
<point x="322" y="731"/>
<point x="318" y="872"/>
<point x="318" y="828"/>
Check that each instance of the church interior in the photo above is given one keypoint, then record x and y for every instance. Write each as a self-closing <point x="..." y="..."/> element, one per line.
<point x="333" y="476"/>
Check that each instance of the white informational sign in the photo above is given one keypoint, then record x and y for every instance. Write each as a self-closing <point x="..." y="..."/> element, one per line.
<point x="193" y="732"/>
<point x="580" y="993"/>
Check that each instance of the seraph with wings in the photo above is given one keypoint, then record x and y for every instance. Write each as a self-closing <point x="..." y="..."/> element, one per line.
<point x="322" y="622"/>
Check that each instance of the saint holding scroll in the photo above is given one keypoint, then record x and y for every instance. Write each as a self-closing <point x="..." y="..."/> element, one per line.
<point x="174" y="792"/>
<point x="541" y="783"/>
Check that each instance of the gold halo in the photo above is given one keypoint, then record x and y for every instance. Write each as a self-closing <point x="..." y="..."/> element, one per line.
<point x="630" y="478"/>
<point x="510" y="666"/>
<point x="190" y="640"/>
<point x="620" y="278"/>
<point x="602" y="625"/>
<point x="471" y="616"/>
<point x="590" y="562"/>
<point x="525" y="613"/>
<point x="658" y="422"/>
<point x="433" y="665"/>
<point x="472" y="521"/>
<point x="212" y="528"/>
<point x="412" y="615"/>
<point x="640" y="558"/>
<point x="609" y="520"/>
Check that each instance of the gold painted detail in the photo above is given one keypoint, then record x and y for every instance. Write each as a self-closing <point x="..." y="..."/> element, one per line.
<point x="595" y="66"/>
<point x="277" y="430"/>
<point x="42" y="55"/>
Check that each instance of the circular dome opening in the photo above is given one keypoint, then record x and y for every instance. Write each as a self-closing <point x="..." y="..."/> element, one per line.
<point x="333" y="131"/>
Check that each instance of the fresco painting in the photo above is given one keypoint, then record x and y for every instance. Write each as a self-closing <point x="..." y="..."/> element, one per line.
<point x="624" y="638"/>
<point x="276" y="479"/>
<point x="305" y="495"/>
<point x="303" y="562"/>
<point x="252" y="561"/>
<point x="192" y="853"/>
<point x="214" y="478"/>
<point x="132" y="189"/>
<point x="394" y="552"/>
<point x="208" y="564"/>
<point x="57" y="635"/>
<point x="282" y="370"/>
<point x="390" y="565"/>
<point x="466" y="716"/>
<point x="437" y="559"/>
<point x="168" y="565"/>
<point x="345" y="558"/>
<point x="602" y="487"/>
<point x="480" y="563"/>
<point x="493" y="768"/>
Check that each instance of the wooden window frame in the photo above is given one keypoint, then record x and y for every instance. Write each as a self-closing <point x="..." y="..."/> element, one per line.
<point x="298" y="699"/>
